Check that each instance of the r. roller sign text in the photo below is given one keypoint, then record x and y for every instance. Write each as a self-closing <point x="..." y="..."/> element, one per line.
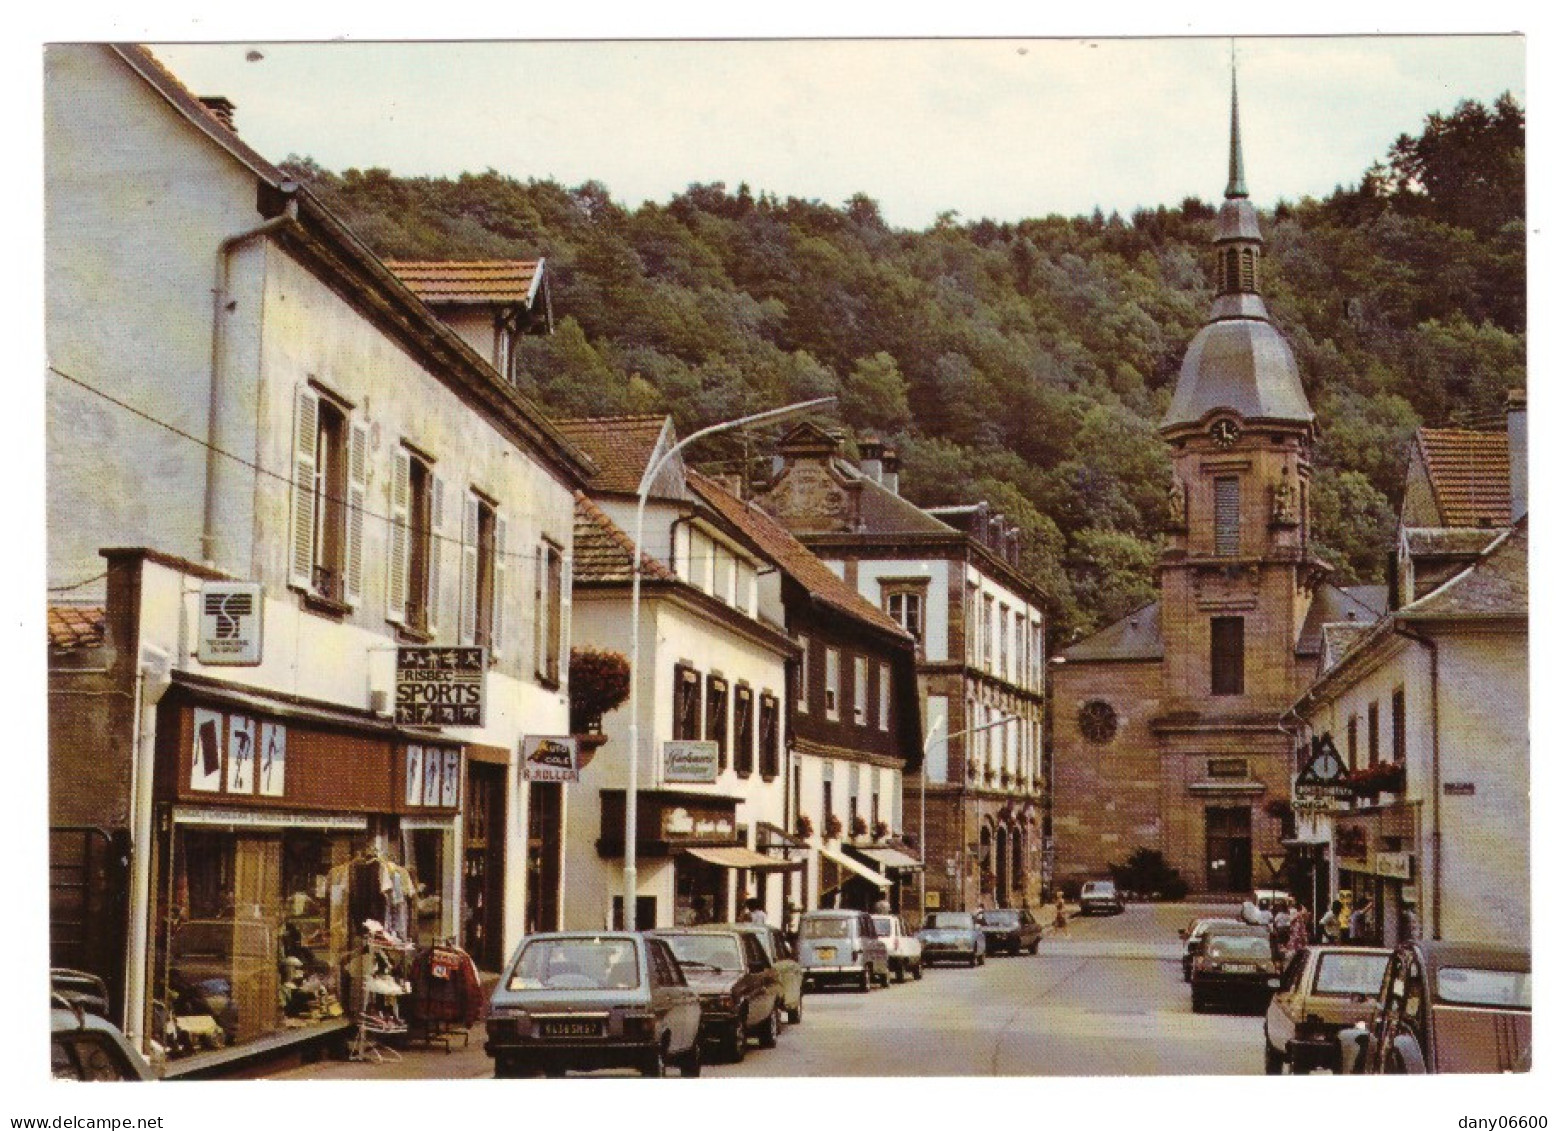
<point x="440" y="687"/>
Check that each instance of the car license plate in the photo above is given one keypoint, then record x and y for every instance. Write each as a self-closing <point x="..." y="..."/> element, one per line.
<point x="1238" y="968"/>
<point x="826" y="953"/>
<point x="587" y="1028"/>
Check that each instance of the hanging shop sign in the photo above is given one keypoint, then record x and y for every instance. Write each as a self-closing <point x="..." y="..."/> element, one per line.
<point x="440" y="687"/>
<point x="1324" y="777"/>
<point x="685" y="762"/>
<point x="232" y="622"/>
<point x="544" y="758"/>
<point x="1394" y="865"/>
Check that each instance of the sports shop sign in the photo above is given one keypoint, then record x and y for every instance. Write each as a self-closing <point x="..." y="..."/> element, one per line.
<point x="440" y="687"/>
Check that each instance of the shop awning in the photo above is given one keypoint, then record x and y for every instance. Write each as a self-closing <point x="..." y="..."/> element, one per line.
<point x="876" y="878"/>
<point x="738" y="857"/>
<point x="890" y="859"/>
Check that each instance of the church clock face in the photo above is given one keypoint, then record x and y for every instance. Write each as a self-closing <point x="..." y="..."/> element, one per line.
<point x="1224" y="432"/>
<point x="1098" y="721"/>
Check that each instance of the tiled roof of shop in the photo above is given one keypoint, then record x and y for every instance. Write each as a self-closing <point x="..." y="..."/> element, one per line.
<point x="1495" y="586"/>
<point x="75" y="626"/>
<point x="790" y="555"/>
<point x="621" y="447"/>
<point x="1340" y="604"/>
<point x="469" y="281"/>
<point x="1136" y="636"/>
<point x="1470" y="474"/>
<point x="603" y="552"/>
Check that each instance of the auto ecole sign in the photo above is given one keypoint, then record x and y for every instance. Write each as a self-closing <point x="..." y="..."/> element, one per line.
<point x="440" y="687"/>
<point x="547" y="758"/>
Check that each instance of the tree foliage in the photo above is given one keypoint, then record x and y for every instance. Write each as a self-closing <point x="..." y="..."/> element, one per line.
<point x="1025" y="363"/>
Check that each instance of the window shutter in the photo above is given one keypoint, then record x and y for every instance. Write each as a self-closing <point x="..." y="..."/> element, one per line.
<point x="540" y="608"/>
<point x="565" y="615"/>
<point x="500" y="573"/>
<point x="435" y="553"/>
<point x="1226" y="516"/>
<point x="305" y="441"/>
<point x="468" y="555"/>
<point x="400" y="535"/>
<point x="357" y="503"/>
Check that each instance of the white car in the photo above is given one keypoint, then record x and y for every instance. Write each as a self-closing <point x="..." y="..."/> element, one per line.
<point x="903" y="947"/>
<point x="1101" y="895"/>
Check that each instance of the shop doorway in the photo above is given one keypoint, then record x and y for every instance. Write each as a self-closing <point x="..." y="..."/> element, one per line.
<point x="1228" y="848"/>
<point x="482" y="897"/>
<point x="544" y="860"/>
<point x="701" y="891"/>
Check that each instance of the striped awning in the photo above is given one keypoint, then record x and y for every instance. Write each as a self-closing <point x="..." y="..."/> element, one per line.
<point x="739" y="857"/>
<point x="888" y="859"/>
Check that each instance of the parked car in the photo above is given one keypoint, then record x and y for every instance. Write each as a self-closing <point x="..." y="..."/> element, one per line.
<point x="1008" y="930"/>
<point x="85" y="1046"/>
<point x="1323" y="990"/>
<point x="1102" y="896"/>
<point x="951" y="936"/>
<point x="842" y="946"/>
<point x="582" y="1000"/>
<point x="1192" y="938"/>
<point x="779" y="951"/>
<point x="1448" y="1007"/>
<point x="737" y="986"/>
<point x="903" y="948"/>
<point x="1235" y="966"/>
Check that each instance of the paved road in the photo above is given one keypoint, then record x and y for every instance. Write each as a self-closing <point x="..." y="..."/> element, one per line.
<point x="1104" y="997"/>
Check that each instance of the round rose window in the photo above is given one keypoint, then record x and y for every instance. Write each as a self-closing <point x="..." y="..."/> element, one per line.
<point x="1097" y="721"/>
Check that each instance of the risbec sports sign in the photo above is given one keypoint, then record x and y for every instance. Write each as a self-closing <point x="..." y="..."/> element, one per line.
<point x="440" y="687"/>
<point x="544" y="758"/>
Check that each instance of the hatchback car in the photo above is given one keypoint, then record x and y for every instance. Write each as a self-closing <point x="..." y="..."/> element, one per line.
<point x="1448" y="1007"/>
<point x="951" y="936"/>
<point x="1192" y="937"/>
<point x="1101" y="896"/>
<point x="579" y="1000"/>
<point x="1323" y="990"/>
<point x="842" y="946"/>
<point x="1009" y="930"/>
<point x="737" y="986"/>
<point x="1233" y="968"/>
<point x="783" y="957"/>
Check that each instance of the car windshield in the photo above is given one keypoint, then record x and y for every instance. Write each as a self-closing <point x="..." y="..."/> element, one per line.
<point x="1099" y="887"/>
<point x="1205" y="925"/>
<point x="1001" y="918"/>
<point x="884" y="925"/>
<point x="825" y="927"/>
<point x="706" y="952"/>
<point x="576" y="964"/>
<point x="950" y="921"/>
<point x="1239" y="948"/>
<point x="1351" y="973"/>
<point x="1466" y="985"/>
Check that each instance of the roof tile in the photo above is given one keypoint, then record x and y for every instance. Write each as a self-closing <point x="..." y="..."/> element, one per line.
<point x="468" y="281"/>
<point x="603" y="552"/>
<point x="621" y="447"/>
<point x="1470" y="474"/>
<point x="76" y="626"/>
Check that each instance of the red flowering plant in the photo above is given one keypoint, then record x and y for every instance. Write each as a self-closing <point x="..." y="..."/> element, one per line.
<point x="803" y="825"/>
<point x="1382" y="777"/>
<point x="858" y="825"/>
<point x="597" y="683"/>
<point x="880" y="830"/>
<point x="833" y="826"/>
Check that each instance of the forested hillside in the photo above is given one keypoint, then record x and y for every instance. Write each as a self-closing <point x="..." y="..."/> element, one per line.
<point x="1024" y="363"/>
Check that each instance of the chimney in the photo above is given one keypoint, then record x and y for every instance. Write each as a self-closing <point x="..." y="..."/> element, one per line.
<point x="1516" y="433"/>
<point x="221" y="108"/>
<point x="996" y="533"/>
<point x="890" y="470"/>
<point x="1014" y="545"/>
<point x="871" y="458"/>
<point x="981" y="520"/>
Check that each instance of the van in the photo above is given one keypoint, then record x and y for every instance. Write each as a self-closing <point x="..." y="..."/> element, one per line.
<point x="842" y="946"/>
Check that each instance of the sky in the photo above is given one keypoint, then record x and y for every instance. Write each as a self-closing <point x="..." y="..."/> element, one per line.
<point x="1000" y="128"/>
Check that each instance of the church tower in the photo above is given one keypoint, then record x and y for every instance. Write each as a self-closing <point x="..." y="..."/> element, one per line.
<point x="1237" y="576"/>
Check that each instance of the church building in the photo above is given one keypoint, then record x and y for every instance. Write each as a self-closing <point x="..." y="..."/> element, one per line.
<point x="1168" y="730"/>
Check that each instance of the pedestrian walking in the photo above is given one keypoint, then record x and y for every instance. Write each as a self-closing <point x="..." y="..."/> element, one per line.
<point x="1331" y="924"/>
<point x="1359" y="927"/>
<point x="755" y="912"/>
<point x="1060" y="923"/>
<point x="1298" y="932"/>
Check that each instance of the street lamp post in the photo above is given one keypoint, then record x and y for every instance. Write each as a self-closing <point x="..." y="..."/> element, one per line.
<point x="631" y="797"/>
<point x="925" y="754"/>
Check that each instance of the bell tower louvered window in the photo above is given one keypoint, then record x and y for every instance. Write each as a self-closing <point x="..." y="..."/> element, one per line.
<point x="1226" y="515"/>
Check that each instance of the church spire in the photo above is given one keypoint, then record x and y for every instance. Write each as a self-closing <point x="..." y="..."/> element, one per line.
<point x="1236" y="187"/>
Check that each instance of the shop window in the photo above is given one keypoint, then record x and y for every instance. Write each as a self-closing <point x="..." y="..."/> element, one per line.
<point x="859" y="697"/>
<point x="483" y="574"/>
<point x="1399" y="725"/>
<point x="768" y="736"/>
<point x="552" y="610"/>
<point x="1228" y="655"/>
<point x="804" y="675"/>
<point x="416" y="517"/>
<point x="717" y="720"/>
<point x="687" y="698"/>
<point x="329" y="492"/>
<point x="743" y="730"/>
